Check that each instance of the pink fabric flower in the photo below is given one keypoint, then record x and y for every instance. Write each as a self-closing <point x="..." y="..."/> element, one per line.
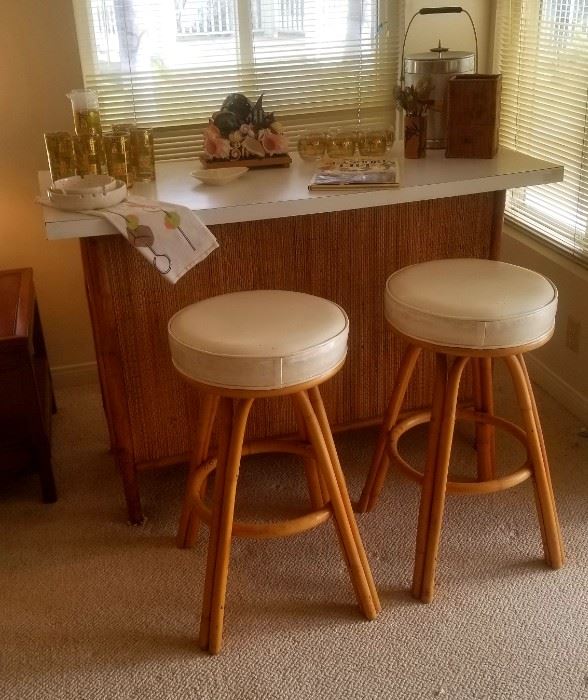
<point x="274" y="143"/>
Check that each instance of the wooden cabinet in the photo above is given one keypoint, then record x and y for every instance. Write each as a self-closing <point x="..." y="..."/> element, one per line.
<point x="26" y="393"/>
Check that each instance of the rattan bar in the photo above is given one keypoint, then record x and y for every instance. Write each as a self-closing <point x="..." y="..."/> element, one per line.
<point x="274" y="234"/>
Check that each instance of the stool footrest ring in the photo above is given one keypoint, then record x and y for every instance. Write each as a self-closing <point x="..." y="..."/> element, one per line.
<point x="463" y="487"/>
<point x="260" y="530"/>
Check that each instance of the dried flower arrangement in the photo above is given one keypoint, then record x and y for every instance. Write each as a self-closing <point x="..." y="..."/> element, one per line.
<point x="242" y="131"/>
<point x="414" y="99"/>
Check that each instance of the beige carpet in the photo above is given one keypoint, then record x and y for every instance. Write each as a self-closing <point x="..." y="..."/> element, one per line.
<point x="95" y="609"/>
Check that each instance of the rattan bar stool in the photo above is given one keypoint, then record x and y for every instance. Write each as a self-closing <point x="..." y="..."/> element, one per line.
<point x="236" y="348"/>
<point x="466" y="311"/>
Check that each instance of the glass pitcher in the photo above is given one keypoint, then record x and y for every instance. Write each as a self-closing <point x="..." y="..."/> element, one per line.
<point x="86" y="114"/>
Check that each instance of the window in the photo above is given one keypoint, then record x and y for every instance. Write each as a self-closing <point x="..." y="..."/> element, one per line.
<point x="542" y="52"/>
<point x="170" y="63"/>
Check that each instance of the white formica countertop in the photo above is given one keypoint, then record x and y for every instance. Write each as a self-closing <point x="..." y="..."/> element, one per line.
<point x="269" y="193"/>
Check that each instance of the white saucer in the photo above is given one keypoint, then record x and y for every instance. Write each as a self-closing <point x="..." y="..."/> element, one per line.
<point x="218" y="176"/>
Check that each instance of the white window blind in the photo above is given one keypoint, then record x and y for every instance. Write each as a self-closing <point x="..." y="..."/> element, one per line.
<point x="542" y="53"/>
<point x="169" y="64"/>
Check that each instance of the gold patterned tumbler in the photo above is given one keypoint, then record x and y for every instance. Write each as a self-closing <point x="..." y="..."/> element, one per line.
<point x="60" y="154"/>
<point x="117" y="150"/>
<point x="143" y="154"/>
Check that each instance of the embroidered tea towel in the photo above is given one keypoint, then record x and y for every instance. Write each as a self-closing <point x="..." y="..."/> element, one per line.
<point x="171" y="237"/>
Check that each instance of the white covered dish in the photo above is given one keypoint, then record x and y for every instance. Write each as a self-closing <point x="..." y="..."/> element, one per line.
<point x="83" y="184"/>
<point x="85" y="200"/>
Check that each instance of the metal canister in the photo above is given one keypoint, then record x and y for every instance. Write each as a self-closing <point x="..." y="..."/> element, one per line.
<point x="439" y="64"/>
<point x="60" y="154"/>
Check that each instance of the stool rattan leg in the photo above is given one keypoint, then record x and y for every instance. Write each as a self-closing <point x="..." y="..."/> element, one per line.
<point x="543" y="450"/>
<point x="424" y="517"/>
<point x="219" y="547"/>
<point x="188" y="526"/>
<point x="316" y="487"/>
<point x="321" y="494"/>
<point x="319" y="409"/>
<point x="225" y="420"/>
<point x="380" y="460"/>
<point x="550" y="530"/>
<point x="358" y="574"/>
<point x="440" y="479"/>
<point x="484" y="402"/>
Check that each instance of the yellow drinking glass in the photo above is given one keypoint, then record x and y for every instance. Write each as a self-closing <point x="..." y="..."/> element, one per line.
<point x="341" y="144"/>
<point x="311" y="145"/>
<point x="372" y="142"/>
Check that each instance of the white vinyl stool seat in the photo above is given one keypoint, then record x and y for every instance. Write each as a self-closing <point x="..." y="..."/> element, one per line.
<point x="262" y="339"/>
<point x="235" y="349"/>
<point x="471" y="303"/>
<point x="469" y="313"/>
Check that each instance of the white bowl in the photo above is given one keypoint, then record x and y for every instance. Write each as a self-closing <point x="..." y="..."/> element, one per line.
<point x="80" y="201"/>
<point x="84" y="184"/>
<point x="218" y="176"/>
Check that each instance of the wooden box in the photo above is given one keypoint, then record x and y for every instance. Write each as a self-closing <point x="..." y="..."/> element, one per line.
<point x="473" y="109"/>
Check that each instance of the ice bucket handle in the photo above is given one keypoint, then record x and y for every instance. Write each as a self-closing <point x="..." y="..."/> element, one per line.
<point x="438" y="11"/>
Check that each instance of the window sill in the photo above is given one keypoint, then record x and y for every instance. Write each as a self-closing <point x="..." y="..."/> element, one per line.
<point x="556" y="253"/>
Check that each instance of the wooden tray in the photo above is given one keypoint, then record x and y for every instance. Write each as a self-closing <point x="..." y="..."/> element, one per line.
<point x="281" y="161"/>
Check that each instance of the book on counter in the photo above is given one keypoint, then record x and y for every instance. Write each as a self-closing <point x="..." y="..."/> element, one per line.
<point x="353" y="174"/>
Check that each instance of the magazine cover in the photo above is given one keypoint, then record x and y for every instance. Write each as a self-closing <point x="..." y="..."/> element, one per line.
<point x="359" y="173"/>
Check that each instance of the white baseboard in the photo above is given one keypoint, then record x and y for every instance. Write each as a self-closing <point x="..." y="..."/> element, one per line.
<point x="75" y="375"/>
<point x="566" y="395"/>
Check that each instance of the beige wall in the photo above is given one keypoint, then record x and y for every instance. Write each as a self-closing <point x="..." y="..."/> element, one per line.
<point x="560" y="370"/>
<point x="39" y="59"/>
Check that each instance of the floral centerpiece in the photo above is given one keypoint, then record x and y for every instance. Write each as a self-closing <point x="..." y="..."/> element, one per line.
<point x="414" y="100"/>
<point x="242" y="131"/>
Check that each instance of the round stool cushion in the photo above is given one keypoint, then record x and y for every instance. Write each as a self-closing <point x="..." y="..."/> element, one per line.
<point x="471" y="303"/>
<point x="263" y="339"/>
